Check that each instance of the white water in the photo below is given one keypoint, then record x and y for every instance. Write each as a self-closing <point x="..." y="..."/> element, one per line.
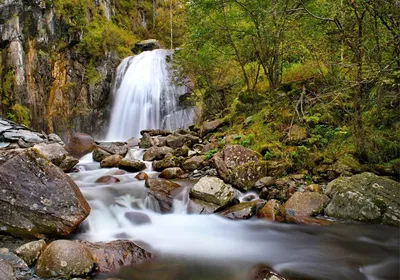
<point x="334" y="252"/>
<point x="145" y="97"/>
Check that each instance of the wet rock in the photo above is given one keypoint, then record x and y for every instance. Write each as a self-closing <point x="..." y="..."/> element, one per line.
<point x="212" y="190"/>
<point x="6" y="271"/>
<point x="132" y="165"/>
<point x="114" y="148"/>
<point x="21" y="271"/>
<point x="37" y="198"/>
<point x="80" y="144"/>
<point x="181" y="152"/>
<point x="365" y="197"/>
<point x="157" y="153"/>
<point x="155" y="132"/>
<point x="100" y="154"/>
<point x="171" y="173"/>
<point x="54" y="152"/>
<point x="197" y="206"/>
<point x="161" y="190"/>
<point x="68" y="163"/>
<point x="138" y="218"/>
<point x="176" y="140"/>
<point x="146" y="45"/>
<point x="261" y="272"/>
<point x="265" y="182"/>
<point x="146" y="141"/>
<point x="142" y="176"/>
<point x="64" y="258"/>
<point x="31" y="251"/>
<point x="160" y="165"/>
<point x="313" y="188"/>
<point x="307" y="221"/>
<point x="193" y="163"/>
<point x="272" y="211"/>
<point x="243" y="211"/>
<point x="278" y="169"/>
<point x="209" y="127"/>
<point x="111" y="161"/>
<point x="108" y="180"/>
<point x="306" y="204"/>
<point x="26" y="135"/>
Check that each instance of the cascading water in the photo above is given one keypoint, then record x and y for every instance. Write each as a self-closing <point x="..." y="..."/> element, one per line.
<point x="145" y="97"/>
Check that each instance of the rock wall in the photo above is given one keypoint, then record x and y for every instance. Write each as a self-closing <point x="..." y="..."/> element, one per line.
<point x="41" y="70"/>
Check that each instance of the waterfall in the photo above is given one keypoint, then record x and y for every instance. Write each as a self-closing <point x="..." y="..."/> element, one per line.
<point x="145" y="97"/>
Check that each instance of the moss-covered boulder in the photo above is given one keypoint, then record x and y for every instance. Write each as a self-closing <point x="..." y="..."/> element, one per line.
<point x="246" y="175"/>
<point x="160" y="165"/>
<point x="212" y="190"/>
<point x="31" y="251"/>
<point x="111" y="161"/>
<point x="243" y="211"/>
<point x="365" y="197"/>
<point x="157" y="153"/>
<point x="132" y="165"/>
<point x="171" y="173"/>
<point x="177" y="140"/>
<point x="193" y="163"/>
<point x="100" y="154"/>
<point x="64" y="258"/>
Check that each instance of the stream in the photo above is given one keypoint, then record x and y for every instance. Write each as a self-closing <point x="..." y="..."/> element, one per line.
<point x="192" y="246"/>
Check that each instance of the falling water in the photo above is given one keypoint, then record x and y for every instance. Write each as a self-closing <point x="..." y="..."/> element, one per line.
<point x="145" y="97"/>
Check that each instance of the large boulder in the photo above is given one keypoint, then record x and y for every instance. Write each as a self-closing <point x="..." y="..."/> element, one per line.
<point x="246" y="175"/>
<point x="211" y="126"/>
<point x="162" y="191"/>
<point x="193" y="163"/>
<point x="157" y="153"/>
<point x="6" y="271"/>
<point x="80" y="144"/>
<point x="176" y="140"/>
<point x="272" y="211"/>
<point x="306" y="204"/>
<point x="65" y="258"/>
<point x="243" y="211"/>
<point x="55" y="152"/>
<point x="114" y="148"/>
<point x="132" y="165"/>
<point x="112" y="256"/>
<point x="365" y="197"/>
<point x="37" y="198"/>
<point x="168" y="162"/>
<point x="171" y="173"/>
<point x="111" y="161"/>
<point x="212" y="190"/>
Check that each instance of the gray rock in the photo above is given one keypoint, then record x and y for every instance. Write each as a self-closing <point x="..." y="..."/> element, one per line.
<point x="211" y="126"/>
<point x="31" y="251"/>
<point x="155" y="132"/>
<point x="157" y="153"/>
<point x="25" y="135"/>
<point x="132" y="165"/>
<point x="68" y="163"/>
<point x="114" y="148"/>
<point x="55" y="138"/>
<point x="197" y="206"/>
<point x="100" y="154"/>
<point x="243" y="211"/>
<point x="54" y="152"/>
<point x="365" y="197"/>
<point x="212" y="190"/>
<point x="306" y="204"/>
<point x="6" y="271"/>
<point x="176" y="140"/>
<point x="111" y="161"/>
<point x="193" y="163"/>
<point x="146" y="141"/>
<point x="146" y="45"/>
<point x="64" y="258"/>
<point x="21" y="271"/>
<point x="160" y="165"/>
<point x="265" y="182"/>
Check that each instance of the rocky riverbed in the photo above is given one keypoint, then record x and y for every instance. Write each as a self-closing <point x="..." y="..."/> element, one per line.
<point x="41" y="206"/>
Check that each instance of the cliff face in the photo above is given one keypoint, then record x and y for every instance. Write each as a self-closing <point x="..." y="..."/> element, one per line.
<point x="44" y="80"/>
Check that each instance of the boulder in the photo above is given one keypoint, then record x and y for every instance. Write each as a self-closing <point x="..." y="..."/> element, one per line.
<point x="31" y="251"/>
<point x="181" y="152"/>
<point x="68" y="163"/>
<point x="243" y="211"/>
<point x="307" y="221"/>
<point x="212" y="190"/>
<point x="80" y="144"/>
<point x="54" y="152"/>
<point x="6" y="271"/>
<point x="112" y="256"/>
<point x="171" y="173"/>
<point x="313" y="188"/>
<point x="197" y="206"/>
<point x="65" y="258"/>
<point x="265" y="182"/>
<point x="146" y="45"/>
<point x="157" y="153"/>
<point x="306" y="204"/>
<point x="161" y="190"/>
<point x="160" y="165"/>
<point x="100" y="154"/>
<point x="297" y="134"/>
<point x="211" y="126"/>
<point x="142" y="176"/>
<point x="20" y="270"/>
<point x="365" y="197"/>
<point x="146" y="141"/>
<point x="272" y="211"/>
<point x="114" y="148"/>
<point x="246" y="175"/>
<point x="155" y="132"/>
<point x="108" y="180"/>
<point x="132" y="165"/>
<point x="176" y="140"/>
<point x="193" y="163"/>
<point x="37" y="198"/>
<point x="111" y="161"/>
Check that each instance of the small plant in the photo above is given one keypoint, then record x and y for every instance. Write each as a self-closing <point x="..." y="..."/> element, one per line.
<point x="209" y="154"/>
<point x="244" y="140"/>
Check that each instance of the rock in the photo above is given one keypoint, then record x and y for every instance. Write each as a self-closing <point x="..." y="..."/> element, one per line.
<point x="132" y="142"/>
<point x="209" y="127"/>
<point x="37" y="198"/>
<point x="54" y="138"/>
<point x="146" y="45"/>
<point x="212" y="190"/>
<point x="297" y="134"/>
<point x="161" y="190"/>
<point x="176" y="140"/>
<point x="365" y="197"/>
<point x="80" y="144"/>
<point x="307" y="221"/>
<point x="181" y="152"/>
<point x="31" y="251"/>
<point x="272" y="211"/>
<point x="346" y="165"/>
<point x="108" y="180"/>
<point x="278" y="169"/>
<point x="142" y="176"/>
<point x="111" y="161"/>
<point x="243" y="211"/>
<point x="236" y="155"/>
<point x="197" y="206"/>
<point x="112" y="256"/>
<point x="21" y="271"/>
<point x="306" y="204"/>
<point x="160" y="165"/>
<point x="265" y="182"/>
<point x="54" y="152"/>
<point x="261" y="272"/>
<point x="146" y="141"/>
<point x="246" y="175"/>
<point x="100" y="154"/>
<point x="114" y="148"/>
<point x="26" y="135"/>
<point x="137" y="218"/>
<point x="132" y="165"/>
<point x="160" y="141"/>
<point x="156" y="153"/>
<point x="6" y="271"/>
<point x="155" y="132"/>
<point x="171" y="173"/>
<point x="193" y="163"/>
<point x="68" y="163"/>
<point x="313" y="188"/>
<point x="65" y="258"/>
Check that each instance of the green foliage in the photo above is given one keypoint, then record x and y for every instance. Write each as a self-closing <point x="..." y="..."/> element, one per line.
<point x="244" y="140"/>
<point x="19" y="114"/>
<point x="91" y="74"/>
<point x="7" y="86"/>
<point x="209" y="154"/>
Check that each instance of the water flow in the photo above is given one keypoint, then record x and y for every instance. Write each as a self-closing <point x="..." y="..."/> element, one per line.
<point x="145" y="97"/>
<point x="124" y="210"/>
